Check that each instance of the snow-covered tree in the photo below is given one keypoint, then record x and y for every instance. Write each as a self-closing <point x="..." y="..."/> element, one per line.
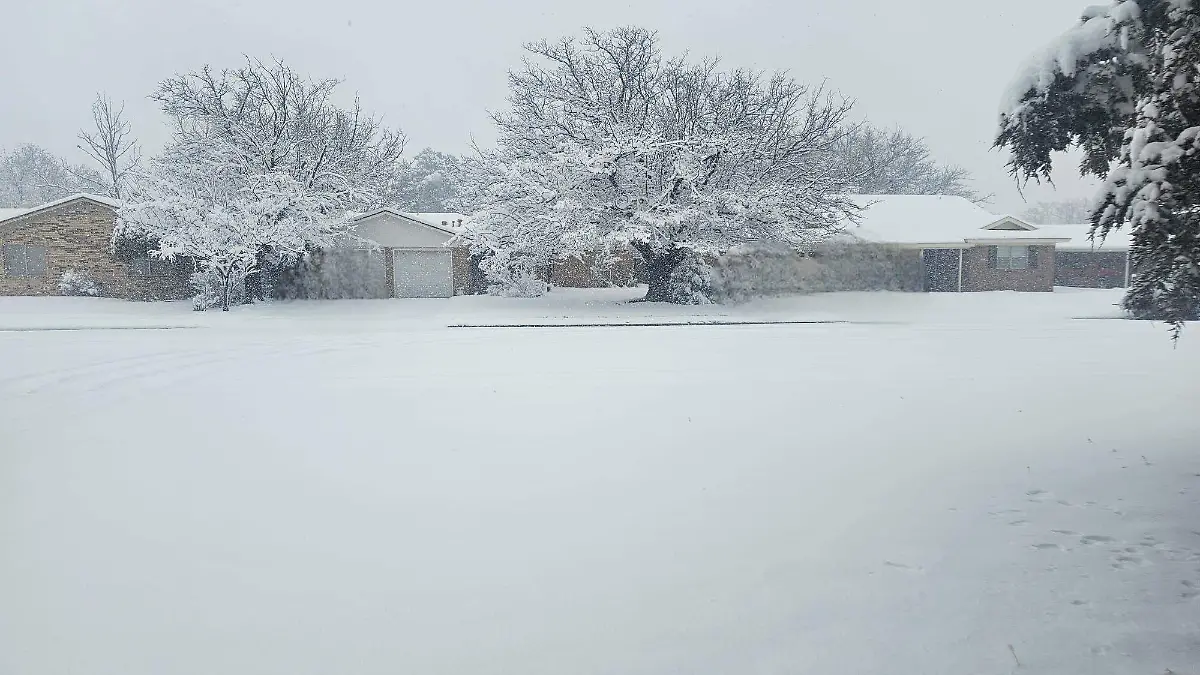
<point x="274" y="120"/>
<point x="261" y="169"/>
<point x="110" y="145"/>
<point x="226" y="220"/>
<point x="31" y="175"/>
<point x="1059" y="212"/>
<point x="429" y="182"/>
<point x="895" y="162"/>
<point x="1124" y="86"/>
<point x="607" y="142"/>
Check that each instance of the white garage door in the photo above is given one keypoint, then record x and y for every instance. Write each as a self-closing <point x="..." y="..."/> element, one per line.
<point x="423" y="273"/>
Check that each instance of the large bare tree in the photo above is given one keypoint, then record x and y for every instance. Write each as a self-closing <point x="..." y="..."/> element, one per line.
<point x="609" y="142"/>
<point x="110" y="144"/>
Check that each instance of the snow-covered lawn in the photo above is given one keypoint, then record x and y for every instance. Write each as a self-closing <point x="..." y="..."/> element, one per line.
<point x="941" y="484"/>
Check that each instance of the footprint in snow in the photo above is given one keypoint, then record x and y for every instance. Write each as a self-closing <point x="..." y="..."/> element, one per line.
<point x="1019" y="522"/>
<point x="1068" y="533"/>
<point x="902" y="566"/>
<point x="1048" y="547"/>
<point x="1095" y="539"/>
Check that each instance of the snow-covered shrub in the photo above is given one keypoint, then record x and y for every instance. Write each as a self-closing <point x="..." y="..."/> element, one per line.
<point x="765" y="270"/>
<point x="74" y="282"/>
<point x="208" y="290"/>
<point x="517" y="283"/>
<point x="691" y="282"/>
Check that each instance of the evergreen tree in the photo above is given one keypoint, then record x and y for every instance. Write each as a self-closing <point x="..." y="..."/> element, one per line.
<point x="1124" y="86"/>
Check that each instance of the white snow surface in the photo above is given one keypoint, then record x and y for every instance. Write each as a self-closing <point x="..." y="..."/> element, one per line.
<point x="947" y="483"/>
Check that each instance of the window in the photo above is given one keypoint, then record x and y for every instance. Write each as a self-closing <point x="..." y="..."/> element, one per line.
<point x="1012" y="257"/>
<point x="152" y="267"/>
<point x="23" y="260"/>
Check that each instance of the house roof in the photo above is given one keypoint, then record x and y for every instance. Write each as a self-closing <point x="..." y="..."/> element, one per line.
<point x="7" y="214"/>
<point x="1117" y="241"/>
<point x="439" y="219"/>
<point x="938" y="221"/>
<point x="411" y="217"/>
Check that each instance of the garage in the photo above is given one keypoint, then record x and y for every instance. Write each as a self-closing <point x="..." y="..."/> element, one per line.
<point x="423" y="273"/>
<point x="419" y="260"/>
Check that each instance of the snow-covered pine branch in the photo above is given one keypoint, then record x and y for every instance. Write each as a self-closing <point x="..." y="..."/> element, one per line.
<point x="1124" y="86"/>
<point x="609" y="143"/>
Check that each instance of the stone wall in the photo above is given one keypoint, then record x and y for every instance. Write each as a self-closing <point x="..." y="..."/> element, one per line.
<point x="76" y="235"/>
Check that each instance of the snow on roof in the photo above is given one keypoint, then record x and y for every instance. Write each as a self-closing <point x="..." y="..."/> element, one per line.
<point x="439" y="219"/>
<point x="411" y="217"/>
<point x="6" y="213"/>
<point x="932" y="220"/>
<point x="1117" y="241"/>
<point x="10" y="213"/>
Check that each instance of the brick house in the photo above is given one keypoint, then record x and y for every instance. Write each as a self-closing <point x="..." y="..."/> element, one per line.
<point x="962" y="246"/>
<point x="1086" y="263"/>
<point x="39" y="244"/>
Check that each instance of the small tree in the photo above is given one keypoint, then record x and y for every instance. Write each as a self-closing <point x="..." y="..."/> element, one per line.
<point x="225" y="229"/>
<point x="110" y="145"/>
<point x="262" y="167"/>
<point x="1124" y="86"/>
<point x="609" y="143"/>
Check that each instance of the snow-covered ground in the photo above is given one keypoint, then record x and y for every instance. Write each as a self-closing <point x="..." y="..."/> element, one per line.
<point x="975" y="483"/>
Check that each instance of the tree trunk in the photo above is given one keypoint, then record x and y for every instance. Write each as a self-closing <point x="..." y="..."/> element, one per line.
<point x="659" y="266"/>
<point x="226" y="287"/>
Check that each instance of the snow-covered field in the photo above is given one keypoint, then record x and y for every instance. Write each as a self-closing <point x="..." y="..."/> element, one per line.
<point x="975" y="483"/>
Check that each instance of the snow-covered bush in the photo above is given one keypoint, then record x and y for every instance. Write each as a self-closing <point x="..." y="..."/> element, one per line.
<point x="691" y="282"/>
<point x="208" y="291"/>
<point x="763" y="270"/>
<point x="74" y="282"/>
<point x="516" y="282"/>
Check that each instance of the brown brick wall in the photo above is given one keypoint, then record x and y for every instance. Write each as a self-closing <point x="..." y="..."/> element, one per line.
<point x="978" y="275"/>
<point x="76" y="236"/>
<point x="588" y="273"/>
<point x="462" y="270"/>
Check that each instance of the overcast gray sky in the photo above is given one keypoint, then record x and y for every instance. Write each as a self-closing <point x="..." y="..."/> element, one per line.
<point x="434" y="68"/>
